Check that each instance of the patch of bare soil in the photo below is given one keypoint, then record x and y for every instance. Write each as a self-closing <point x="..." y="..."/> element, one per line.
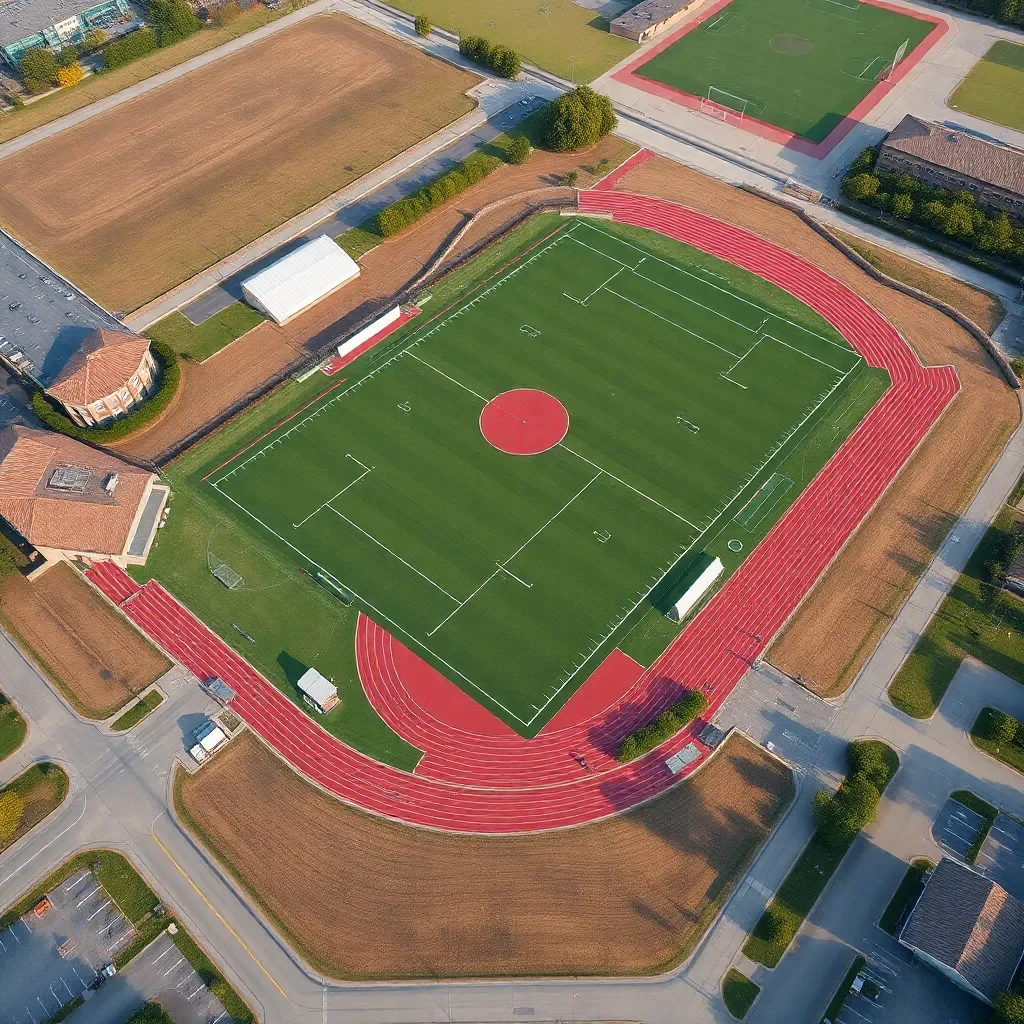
<point x="229" y="375"/>
<point x="840" y="622"/>
<point x="91" y="653"/>
<point x="361" y="897"/>
<point x="138" y="199"/>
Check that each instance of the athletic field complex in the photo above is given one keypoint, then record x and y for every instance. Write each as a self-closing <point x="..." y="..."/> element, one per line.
<point x="801" y="67"/>
<point x="510" y="485"/>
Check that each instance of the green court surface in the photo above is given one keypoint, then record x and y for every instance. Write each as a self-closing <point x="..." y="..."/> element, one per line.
<point x="994" y="89"/>
<point x="801" y="65"/>
<point x="689" y="393"/>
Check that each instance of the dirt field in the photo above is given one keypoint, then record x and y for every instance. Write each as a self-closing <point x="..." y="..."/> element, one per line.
<point x="236" y="370"/>
<point x="141" y="198"/>
<point x="839" y="624"/>
<point x="90" y="652"/>
<point x="362" y="897"/>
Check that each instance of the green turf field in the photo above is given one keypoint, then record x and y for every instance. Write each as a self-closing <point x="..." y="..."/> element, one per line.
<point x="801" y="65"/>
<point x="513" y="575"/>
<point x="994" y="89"/>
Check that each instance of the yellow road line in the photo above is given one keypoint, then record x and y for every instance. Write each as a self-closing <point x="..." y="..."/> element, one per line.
<point x="219" y="916"/>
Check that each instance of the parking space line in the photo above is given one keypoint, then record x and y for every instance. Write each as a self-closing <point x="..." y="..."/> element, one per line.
<point x="15" y="934"/>
<point x="194" y="994"/>
<point x="90" y="893"/>
<point x="24" y="924"/>
<point x="84" y="875"/>
<point x="110" y="924"/>
<point x="124" y="935"/>
<point x="99" y="910"/>
<point x="165" y="952"/>
<point x="224" y="1014"/>
<point x="79" y="977"/>
<point x="175" y="967"/>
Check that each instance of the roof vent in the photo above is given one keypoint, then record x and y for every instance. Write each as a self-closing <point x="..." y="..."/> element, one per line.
<point x="71" y="481"/>
<point x="110" y="483"/>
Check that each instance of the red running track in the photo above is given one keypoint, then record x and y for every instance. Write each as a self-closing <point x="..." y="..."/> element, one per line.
<point x="479" y="777"/>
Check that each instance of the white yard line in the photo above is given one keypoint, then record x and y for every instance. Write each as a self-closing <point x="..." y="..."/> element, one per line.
<point x="452" y="379"/>
<point x="327" y="503"/>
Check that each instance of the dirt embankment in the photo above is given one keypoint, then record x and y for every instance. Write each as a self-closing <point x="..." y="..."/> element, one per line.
<point x="138" y="199"/>
<point x="240" y="368"/>
<point x="91" y="653"/>
<point x="367" y="898"/>
<point x="841" y="621"/>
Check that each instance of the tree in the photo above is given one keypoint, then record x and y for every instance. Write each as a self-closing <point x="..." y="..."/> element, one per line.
<point x="39" y="70"/>
<point x="959" y="221"/>
<point x="860" y="186"/>
<point x="902" y="205"/>
<point x="11" y="809"/>
<point x="505" y="62"/>
<point x="172" y="20"/>
<point x="423" y="26"/>
<point x="872" y="760"/>
<point x="94" y="39"/>
<point x="840" y="816"/>
<point x="519" y="149"/>
<point x="578" y="119"/>
<point x="71" y="75"/>
<point x="996" y="235"/>
<point x="67" y="55"/>
<point x="570" y="178"/>
<point x="1002" y="728"/>
<point x="230" y="12"/>
<point x="865" y="161"/>
<point x="128" y="48"/>
<point x="1007" y="1008"/>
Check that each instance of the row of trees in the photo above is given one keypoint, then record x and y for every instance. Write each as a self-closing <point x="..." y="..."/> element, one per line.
<point x="667" y="724"/>
<point x="1009" y="12"/>
<point x="841" y="815"/>
<point x="953" y="214"/>
<point x="499" y="59"/>
<point x="1001" y="728"/>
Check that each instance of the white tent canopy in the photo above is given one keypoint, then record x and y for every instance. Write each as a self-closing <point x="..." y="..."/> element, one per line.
<point x="300" y="280"/>
<point x="696" y="590"/>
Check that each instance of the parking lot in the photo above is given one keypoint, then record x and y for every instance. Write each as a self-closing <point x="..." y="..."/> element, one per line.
<point x="45" y="961"/>
<point x="956" y="828"/>
<point x="1002" y="856"/>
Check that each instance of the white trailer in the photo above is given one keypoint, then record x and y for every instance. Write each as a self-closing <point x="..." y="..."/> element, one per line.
<point x="696" y="590"/>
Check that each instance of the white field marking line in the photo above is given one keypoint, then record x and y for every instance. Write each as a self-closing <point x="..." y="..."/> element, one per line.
<point x="586" y="299"/>
<point x="619" y="480"/>
<point x="394" y="554"/>
<point x="697" y="277"/>
<point x="351" y="483"/>
<point x="502" y="565"/>
<point x="800" y="352"/>
<point x="384" y="617"/>
<point x="724" y="507"/>
<point x="529" y="586"/>
<point x="452" y="379"/>
<point x="725" y="376"/>
<point x="686" y="330"/>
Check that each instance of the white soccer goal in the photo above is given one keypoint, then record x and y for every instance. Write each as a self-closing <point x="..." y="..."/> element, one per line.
<point x="900" y="54"/>
<point x="722" y="104"/>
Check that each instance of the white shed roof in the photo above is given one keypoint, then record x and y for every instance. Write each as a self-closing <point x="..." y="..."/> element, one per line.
<point x="300" y="279"/>
<point x="317" y="687"/>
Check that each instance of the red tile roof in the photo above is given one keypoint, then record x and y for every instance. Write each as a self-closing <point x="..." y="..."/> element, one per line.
<point x="90" y="520"/>
<point x="106" y="362"/>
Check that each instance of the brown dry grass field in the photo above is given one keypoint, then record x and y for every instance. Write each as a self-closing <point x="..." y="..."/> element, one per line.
<point x="838" y="625"/>
<point x="143" y="197"/>
<point x="91" y="653"/>
<point x="361" y="897"/>
<point x="220" y="381"/>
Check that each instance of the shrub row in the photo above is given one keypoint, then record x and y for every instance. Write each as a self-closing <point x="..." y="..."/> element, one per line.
<point x="841" y="815"/>
<point x="400" y="215"/>
<point x="170" y="378"/>
<point x="952" y="214"/>
<point x="499" y="59"/>
<point x="1009" y="12"/>
<point x="130" y="47"/>
<point x="667" y="724"/>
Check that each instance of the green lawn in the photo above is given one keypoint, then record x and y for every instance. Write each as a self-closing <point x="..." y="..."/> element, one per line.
<point x="907" y="891"/>
<point x="738" y="993"/>
<point x="138" y="711"/>
<point x="785" y="913"/>
<point x="1011" y="753"/>
<point x="994" y="89"/>
<point x="12" y="728"/>
<point x="835" y="1007"/>
<point x="973" y="802"/>
<point x="547" y="34"/>
<point x="514" y="576"/>
<point x="42" y="788"/>
<point x="976" y="618"/>
<point x="801" y="65"/>
<point x="196" y="342"/>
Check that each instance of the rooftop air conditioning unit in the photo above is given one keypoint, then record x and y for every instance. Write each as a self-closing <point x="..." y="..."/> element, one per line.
<point x="110" y="483"/>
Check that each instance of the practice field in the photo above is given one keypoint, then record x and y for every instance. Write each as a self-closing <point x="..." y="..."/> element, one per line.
<point x="410" y="488"/>
<point x="138" y="199"/>
<point x="994" y="89"/>
<point x="801" y="65"/>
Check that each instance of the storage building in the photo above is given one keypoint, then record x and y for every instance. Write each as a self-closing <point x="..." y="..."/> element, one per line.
<point x="300" y="280"/>
<point x="319" y="693"/>
<point x="32" y="24"/>
<point x="696" y="590"/>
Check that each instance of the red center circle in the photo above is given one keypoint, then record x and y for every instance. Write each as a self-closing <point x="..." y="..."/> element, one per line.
<point x="524" y="422"/>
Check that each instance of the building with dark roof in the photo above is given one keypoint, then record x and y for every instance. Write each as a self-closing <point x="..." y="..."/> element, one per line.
<point x="31" y="24"/>
<point x="650" y="18"/>
<point x="949" y="159"/>
<point x="70" y="501"/>
<point x="110" y="373"/>
<point x="967" y="927"/>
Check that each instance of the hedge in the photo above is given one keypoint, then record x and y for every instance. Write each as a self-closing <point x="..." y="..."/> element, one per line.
<point x="400" y="215"/>
<point x="667" y="724"/>
<point x="132" y="46"/>
<point x="170" y="378"/>
<point x="499" y="59"/>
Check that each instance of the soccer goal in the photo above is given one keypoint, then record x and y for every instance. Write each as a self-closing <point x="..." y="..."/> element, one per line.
<point x="901" y="52"/>
<point x="724" y="105"/>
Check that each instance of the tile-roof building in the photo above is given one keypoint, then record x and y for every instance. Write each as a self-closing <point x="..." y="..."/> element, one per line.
<point x="967" y="927"/>
<point x="110" y="373"/>
<point x="949" y="159"/>
<point x="70" y="501"/>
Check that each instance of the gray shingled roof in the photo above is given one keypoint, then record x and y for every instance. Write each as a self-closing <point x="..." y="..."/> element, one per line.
<point x="1002" y="166"/>
<point x="650" y="12"/>
<point x="22" y="18"/>
<point x="970" y="924"/>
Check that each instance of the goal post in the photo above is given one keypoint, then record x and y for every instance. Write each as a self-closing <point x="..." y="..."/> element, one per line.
<point x="721" y="103"/>
<point x="901" y="52"/>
